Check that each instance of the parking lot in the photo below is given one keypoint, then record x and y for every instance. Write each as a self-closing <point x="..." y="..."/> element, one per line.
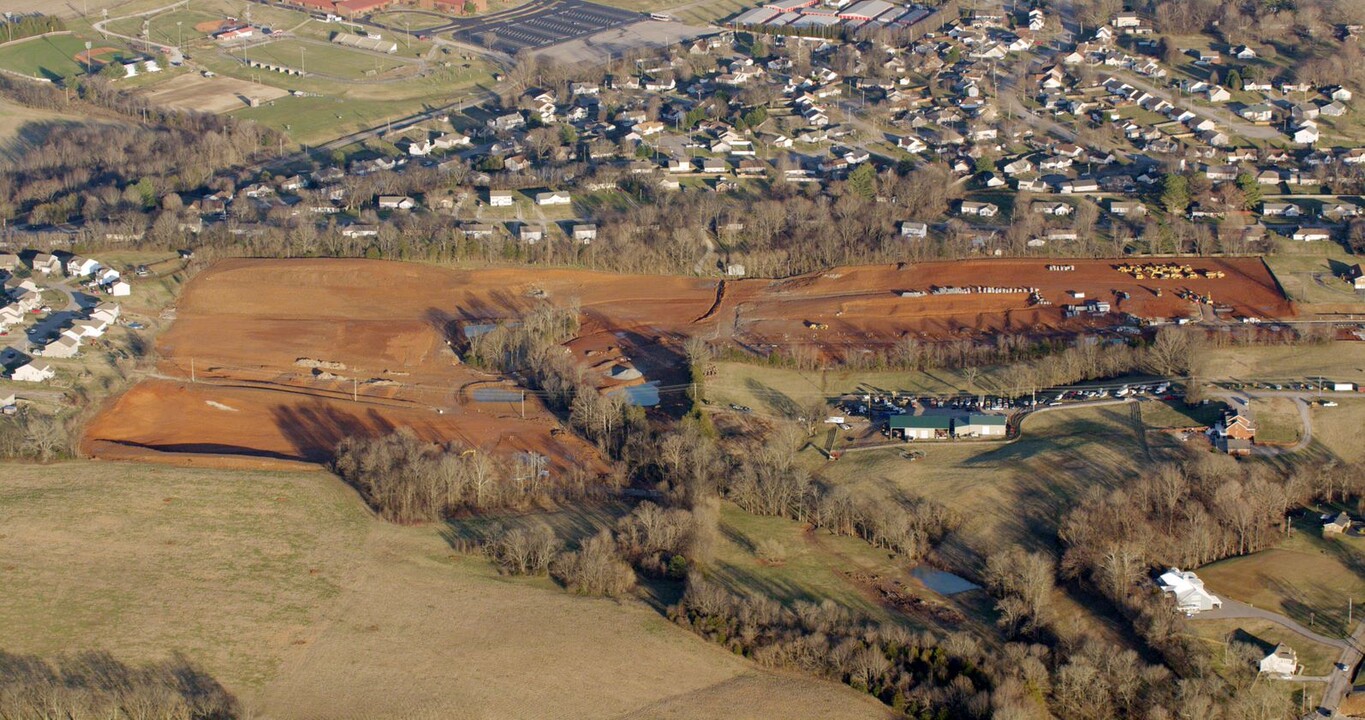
<point x="546" y="24"/>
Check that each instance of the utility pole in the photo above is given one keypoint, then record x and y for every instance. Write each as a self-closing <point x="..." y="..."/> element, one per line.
<point x="192" y="370"/>
<point x="523" y="404"/>
<point x="355" y="390"/>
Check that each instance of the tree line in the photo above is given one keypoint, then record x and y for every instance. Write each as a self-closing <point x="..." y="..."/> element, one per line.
<point x="97" y="685"/>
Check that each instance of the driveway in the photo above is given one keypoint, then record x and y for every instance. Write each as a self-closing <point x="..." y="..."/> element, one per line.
<point x="1300" y="399"/>
<point x="1232" y="609"/>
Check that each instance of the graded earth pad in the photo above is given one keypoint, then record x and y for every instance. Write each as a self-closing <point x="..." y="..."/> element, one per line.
<point x="278" y="360"/>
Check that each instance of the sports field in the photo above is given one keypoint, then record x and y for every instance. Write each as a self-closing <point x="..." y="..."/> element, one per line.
<point x="193" y="25"/>
<point x="289" y="592"/>
<point x="324" y="59"/>
<point x="52" y="57"/>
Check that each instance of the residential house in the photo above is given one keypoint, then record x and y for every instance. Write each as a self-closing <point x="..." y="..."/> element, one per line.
<point x="1305" y="135"/>
<point x="1127" y="208"/>
<point x="982" y="209"/>
<point x="913" y="229"/>
<point x="531" y="234"/>
<point x="1358" y="276"/>
<point x="79" y="266"/>
<point x="34" y="371"/>
<point x="585" y="233"/>
<point x="64" y="346"/>
<point x="396" y="202"/>
<point x="554" y="198"/>
<point x="1337" y="524"/>
<point x="509" y="121"/>
<point x="120" y="288"/>
<point x="1280" y="209"/>
<point x="920" y="427"/>
<point x="1188" y="590"/>
<point x="1258" y="113"/>
<point x="9" y="262"/>
<point x="500" y="198"/>
<point x="1309" y="234"/>
<point x="1282" y="661"/>
<point x="1055" y="209"/>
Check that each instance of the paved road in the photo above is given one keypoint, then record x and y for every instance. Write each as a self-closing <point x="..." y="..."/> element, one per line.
<point x="1233" y="609"/>
<point x="1340" y="683"/>
<point x="1222" y="116"/>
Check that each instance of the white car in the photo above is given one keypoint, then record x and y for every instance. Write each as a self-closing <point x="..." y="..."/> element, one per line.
<point x="1329" y="403"/>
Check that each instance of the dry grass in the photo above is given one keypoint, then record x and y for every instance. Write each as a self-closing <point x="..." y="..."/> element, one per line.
<point x="1337" y="429"/>
<point x="1317" y="659"/>
<point x="1008" y="493"/>
<point x="285" y="588"/>
<point x="1341" y="361"/>
<point x="1306" y="577"/>
<point x="1277" y="420"/>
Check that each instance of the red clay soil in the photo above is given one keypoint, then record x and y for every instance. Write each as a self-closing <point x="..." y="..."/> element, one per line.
<point x="862" y="306"/>
<point x="278" y="347"/>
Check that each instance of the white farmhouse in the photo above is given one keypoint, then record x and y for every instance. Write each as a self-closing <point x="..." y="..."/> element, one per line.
<point x="1190" y="596"/>
<point x="1281" y="661"/>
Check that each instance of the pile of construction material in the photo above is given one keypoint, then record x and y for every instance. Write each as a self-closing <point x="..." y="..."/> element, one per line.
<point x="1061" y="268"/>
<point x="982" y="290"/>
<point x="1167" y="271"/>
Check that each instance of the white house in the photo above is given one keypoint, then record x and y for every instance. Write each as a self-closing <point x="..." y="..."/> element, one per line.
<point x="36" y="371"/>
<point x="79" y="266"/>
<point x="46" y="264"/>
<point x="983" y="209"/>
<point x="1306" y="135"/>
<point x="1281" y="661"/>
<point x="63" y="347"/>
<point x="1188" y="590"/>
<point x="585" y="233"/>
<point x="1307" y="234"/>
<point x="500" y="198"/>
<point x="912" y="229"/>
<point x="120" y="288"/>
<point x="396" y="202"/>
<point x="553" y="198"/>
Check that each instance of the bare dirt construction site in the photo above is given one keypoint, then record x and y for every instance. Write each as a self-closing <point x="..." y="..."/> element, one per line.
<point x="273" y="362"/>
<point x="218" y="94"/>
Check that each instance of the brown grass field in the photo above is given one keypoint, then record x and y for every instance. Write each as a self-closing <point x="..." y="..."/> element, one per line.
<point x="220" y="94"/>
<point x="243" y="325"/>
<point x="286" y="589"/>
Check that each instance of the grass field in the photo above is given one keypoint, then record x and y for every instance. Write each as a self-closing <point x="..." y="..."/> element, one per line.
<point x="329" y="60"/>
<point x="813" y="566"/>
<point x="1277" y="420"/>
<point x="1316" y="658"/>
<point x="1305" y="577"/>
<point x="286" y="589"/>
<point x="162" y="27"/>
<point x="346" y="107"/>
<point x="1338" y="429"/>
<point x="1340" y="361"/>
<point x="1006" y="493"/>
<point x="51" y="57"/>
<point x="1176" y="414"/>
<point x="1311" y="275"/>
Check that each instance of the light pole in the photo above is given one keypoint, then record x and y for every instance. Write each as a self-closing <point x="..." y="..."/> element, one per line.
<point x="178" y="44"/>
<point x="87" y="57"/>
